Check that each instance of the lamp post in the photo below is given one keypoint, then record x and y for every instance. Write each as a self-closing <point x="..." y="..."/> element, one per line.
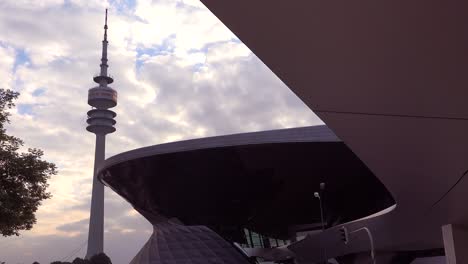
<point x="317" y="195"/>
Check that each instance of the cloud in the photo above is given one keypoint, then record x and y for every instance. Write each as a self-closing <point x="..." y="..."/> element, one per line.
<point x="7" y="60"/>
<point x="31" y="4"/>
<point x="179" y="73"/>
<point x="80" y="225"/>
<point x="44" y="248"/>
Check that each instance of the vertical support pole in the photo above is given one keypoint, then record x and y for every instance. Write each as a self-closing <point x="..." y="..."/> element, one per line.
<point x="455" y="244"/>
<point x="292" y="235"/>
<point x="266" y="242"/>
<point x="96" y="219"/>
<point x="251" y="239"/>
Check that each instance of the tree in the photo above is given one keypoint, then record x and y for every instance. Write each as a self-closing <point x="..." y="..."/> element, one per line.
<point x="80" y="261"/>
<point x="100" y="258"/>
<point x="23" y="176"/>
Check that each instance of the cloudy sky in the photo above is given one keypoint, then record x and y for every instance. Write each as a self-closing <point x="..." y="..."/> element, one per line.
<point x="180" y="74"/>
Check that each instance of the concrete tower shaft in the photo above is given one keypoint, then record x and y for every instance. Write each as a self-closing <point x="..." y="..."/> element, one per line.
<point x="100" y="122"/>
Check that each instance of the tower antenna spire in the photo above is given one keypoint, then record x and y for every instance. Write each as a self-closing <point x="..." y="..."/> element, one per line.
<point x="103" y="79"/>
<point x="105" y="27"/>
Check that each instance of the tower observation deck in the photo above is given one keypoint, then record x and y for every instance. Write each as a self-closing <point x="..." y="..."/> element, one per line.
<point x="100" y="122"/>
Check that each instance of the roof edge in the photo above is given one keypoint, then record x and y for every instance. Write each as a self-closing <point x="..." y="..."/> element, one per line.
<point x="320" y="133"/>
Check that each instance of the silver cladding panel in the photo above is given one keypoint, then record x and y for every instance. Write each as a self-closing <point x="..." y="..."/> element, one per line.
<point x="177" y="244"/>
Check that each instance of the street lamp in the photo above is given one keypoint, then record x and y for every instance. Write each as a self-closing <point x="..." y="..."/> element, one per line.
<point x="317" y="195"/>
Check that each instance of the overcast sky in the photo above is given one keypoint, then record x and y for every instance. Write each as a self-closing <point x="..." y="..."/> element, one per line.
<point x="180" y="74"/>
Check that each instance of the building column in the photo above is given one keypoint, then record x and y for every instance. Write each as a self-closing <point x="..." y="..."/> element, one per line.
<point x="455" y="244"/>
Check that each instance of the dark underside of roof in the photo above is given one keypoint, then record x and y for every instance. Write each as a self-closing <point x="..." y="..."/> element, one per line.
<point x="266" y="188"/>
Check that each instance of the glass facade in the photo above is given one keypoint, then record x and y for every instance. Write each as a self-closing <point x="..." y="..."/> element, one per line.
<point x="256" y="240"/>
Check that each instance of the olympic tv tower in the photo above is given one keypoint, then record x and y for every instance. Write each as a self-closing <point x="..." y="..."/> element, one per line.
<point x="100" y="122"/>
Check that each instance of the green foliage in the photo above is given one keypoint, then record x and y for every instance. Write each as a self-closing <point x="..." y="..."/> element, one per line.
<point x="80" y="261"/>
<point x="23" y="176"/>
<point x="100" y="258"/>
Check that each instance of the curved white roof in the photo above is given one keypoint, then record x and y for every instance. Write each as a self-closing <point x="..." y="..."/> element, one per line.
<point x="301" y="134"/>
